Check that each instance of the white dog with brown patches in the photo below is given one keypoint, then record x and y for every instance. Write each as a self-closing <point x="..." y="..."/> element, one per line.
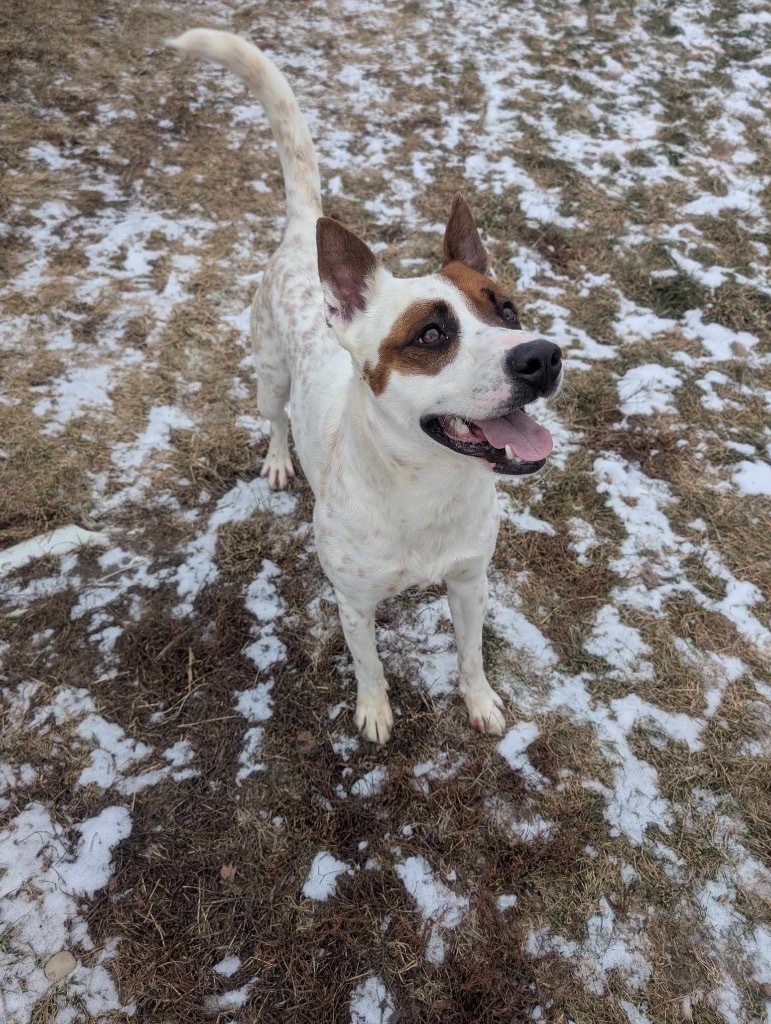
<point x="407" y="400"/>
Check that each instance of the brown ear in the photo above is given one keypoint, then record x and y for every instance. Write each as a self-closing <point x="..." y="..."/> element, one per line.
<point x="462" y="243"/>
<point x="346" y="268"/>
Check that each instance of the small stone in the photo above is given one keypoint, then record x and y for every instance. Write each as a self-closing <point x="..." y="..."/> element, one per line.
<point x="60" y="965"/>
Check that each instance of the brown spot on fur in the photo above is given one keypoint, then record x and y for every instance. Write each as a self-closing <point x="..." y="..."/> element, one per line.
<point x="481" y="293"/>
<point x="400" y="349"/>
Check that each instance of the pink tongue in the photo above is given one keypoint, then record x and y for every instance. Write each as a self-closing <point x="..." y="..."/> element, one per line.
<point x="524" y="436"/>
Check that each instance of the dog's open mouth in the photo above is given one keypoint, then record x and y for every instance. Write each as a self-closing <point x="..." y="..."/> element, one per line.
<point x="514" y="445"/>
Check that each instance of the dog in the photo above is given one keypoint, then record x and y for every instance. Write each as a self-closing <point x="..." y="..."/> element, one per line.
<point x="407" y="396"/>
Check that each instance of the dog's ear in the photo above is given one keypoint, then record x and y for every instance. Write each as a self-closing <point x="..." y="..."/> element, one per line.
<point x="462" y="243"/>
<point x="346" y="269"/>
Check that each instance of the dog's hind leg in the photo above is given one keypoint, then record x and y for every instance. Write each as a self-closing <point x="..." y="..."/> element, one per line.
<point x="273" y="386"/>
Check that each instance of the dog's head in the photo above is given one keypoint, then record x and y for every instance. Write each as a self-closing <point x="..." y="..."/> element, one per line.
<point x="444" y="356"/>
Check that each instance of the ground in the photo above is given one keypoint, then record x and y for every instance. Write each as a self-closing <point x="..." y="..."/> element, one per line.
<point x="185" y="805"/>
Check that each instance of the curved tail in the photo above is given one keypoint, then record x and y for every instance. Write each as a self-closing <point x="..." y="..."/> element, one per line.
<point x="295" y="146"/>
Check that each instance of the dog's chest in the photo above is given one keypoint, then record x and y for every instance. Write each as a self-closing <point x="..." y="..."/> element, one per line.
<point x="396" y="545"/>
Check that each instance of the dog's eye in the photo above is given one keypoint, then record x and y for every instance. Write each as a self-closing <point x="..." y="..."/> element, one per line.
<point x="431" y="337"/>
<point x="508" y="312"/>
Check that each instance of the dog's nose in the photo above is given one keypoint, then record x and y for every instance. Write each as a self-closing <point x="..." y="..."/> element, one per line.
<point x="537" y="363"/>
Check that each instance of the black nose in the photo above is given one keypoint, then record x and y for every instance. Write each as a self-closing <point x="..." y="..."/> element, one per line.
<point x="537" y="363"/>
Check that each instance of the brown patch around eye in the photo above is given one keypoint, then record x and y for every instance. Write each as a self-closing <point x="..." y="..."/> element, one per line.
<point x="399" y="350"/>
<point x="480" y="292"/>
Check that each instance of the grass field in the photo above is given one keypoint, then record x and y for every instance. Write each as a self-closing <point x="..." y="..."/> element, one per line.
<point x="184" y="803"/>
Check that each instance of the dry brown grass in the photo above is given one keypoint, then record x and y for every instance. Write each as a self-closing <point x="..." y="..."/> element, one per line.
<point x="167" y="901"/>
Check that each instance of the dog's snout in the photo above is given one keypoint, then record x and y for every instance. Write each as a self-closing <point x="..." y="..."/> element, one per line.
<point x="537" y="363"/>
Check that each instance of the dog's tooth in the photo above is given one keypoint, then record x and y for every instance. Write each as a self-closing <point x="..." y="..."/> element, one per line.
<point x="509" y="453"/>
<point x="460" y="427"/>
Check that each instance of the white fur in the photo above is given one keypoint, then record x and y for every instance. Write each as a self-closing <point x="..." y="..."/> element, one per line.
<point x="394" y="509"/>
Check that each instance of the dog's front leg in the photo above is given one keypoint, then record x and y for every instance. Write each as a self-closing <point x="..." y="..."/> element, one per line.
<point x="467" y="594"/>
<point x="373" y="718"/>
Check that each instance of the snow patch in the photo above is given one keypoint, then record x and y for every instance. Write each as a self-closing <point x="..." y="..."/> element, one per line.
<point x="323" y="874"/>
<point x="227" y="967"/>
<point x="749" y="478"/>
<point x="371" y="783"/>
<point x="371" y="1003"/>
<point x="440" y="906"/>
<point x="43" y="877"/>
<point x="55" y="542"/>
<point x="648" y="389"/>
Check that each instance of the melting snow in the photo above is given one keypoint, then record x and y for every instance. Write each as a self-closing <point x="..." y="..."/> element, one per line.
<point x="239" y="504"/>
<point x="440" y="906"/>
<point x="648" y="389"/>
<point x="324" y="872"/>
<point x="371" y="783"/>
<point x="227" y="967"/>
<point x="513" y="746"/>
<point x="43" y="876"/>
<point x="621" y="646"/>
<point x="749" y="478"/>
<point x="56" y="542"/>
<point x="610" y="944"/>
<point x="371" y="1003"/>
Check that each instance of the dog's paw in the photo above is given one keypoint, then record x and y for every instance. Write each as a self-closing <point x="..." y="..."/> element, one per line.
<point x="485" y="711"/>
<point x="374" y="719"/>
<point x="278" y="469"/>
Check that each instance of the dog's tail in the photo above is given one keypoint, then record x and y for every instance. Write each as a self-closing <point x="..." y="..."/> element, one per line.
<point x="295" y="146"/>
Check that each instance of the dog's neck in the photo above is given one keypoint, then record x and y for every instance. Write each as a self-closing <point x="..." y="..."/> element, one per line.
<point x="374" y="448"/>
